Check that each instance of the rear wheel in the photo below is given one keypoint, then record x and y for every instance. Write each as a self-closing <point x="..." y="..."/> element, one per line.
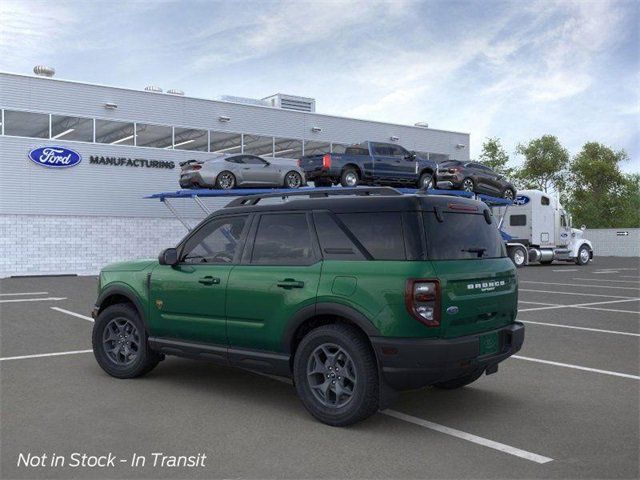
<point x="459" y="382"/>
<point x="349" y="177"/>
<point x="468" y="185"/>
<point x="120" y="343"/>
<point x="508" y="194"/>
<point x="336" y="375"/>
<point x="293" y="179"/>
<point x="226" y="180"/>
<point x="584" y="255"/>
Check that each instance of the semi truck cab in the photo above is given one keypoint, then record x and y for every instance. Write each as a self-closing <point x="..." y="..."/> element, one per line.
<point x="538" y="229"/>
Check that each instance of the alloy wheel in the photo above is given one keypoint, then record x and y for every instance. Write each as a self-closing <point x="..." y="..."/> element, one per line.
<point x="226" y="181"/>
<point x="331" y="375"/>
<point x="508" y="194"/>
<point x="351" y="179"/>
<point x="293" y="180"/>
<point x="467" y="185"/>
<point x="584" y="255"/>
<point x="121" y="341"/>
<point x="518" y="257"/>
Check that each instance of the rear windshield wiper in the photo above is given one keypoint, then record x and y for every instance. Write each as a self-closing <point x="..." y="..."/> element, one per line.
<point x="479" y="250"/>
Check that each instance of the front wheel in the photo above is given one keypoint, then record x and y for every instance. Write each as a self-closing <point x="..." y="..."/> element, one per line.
<point x="336" y="375"/>
<point x="293" y="180"/>
<point x="518" y="256"/>
<point x="426" y="181"/>
<point x="120" y="343"/>
<point x="584" y="255"/>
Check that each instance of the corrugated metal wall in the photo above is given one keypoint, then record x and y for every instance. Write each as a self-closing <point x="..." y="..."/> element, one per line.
<point x="614" y="242"/>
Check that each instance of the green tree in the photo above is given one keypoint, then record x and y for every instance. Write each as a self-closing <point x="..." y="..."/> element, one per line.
<point x="600" y="194"/>
<point x="495" y="156"/>
<point x="545" y="164"/>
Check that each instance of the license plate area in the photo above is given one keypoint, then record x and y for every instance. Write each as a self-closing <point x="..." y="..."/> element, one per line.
<point x="489" y="343"/>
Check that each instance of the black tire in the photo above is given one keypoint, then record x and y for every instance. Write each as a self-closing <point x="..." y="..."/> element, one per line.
<point x="460" y="381"/>
<point x="292" y="179"/>
<point x="225" y="180"/>
<point x="349" y="177"/>
<point x="518" y="260"/>
<point x="468" y="185"/>
<point x="322" y="182"/>
<point x="144" y="360"/>
<point x="509" y="194"/>
<point x="582" y="258"/>
<point x="364" y="399"/>
<point x="426" y="181"/>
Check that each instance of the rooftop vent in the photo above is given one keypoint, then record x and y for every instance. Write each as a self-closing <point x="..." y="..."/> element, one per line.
<point x="152" y="88"/>
<point x="44" y="71"/>
<point x="243" y="100"/>
<point x="291" y="102"/>
<point x="175" y="91"/>
<point x="422" y="124"/>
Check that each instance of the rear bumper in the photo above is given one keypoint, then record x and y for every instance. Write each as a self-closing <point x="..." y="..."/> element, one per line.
<point x="455" y="179"/>
<point x="193" y="179"/>
<point x="315" y="173"/>
<point x="409" y="363"/>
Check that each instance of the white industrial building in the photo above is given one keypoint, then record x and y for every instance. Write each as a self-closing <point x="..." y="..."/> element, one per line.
<point x="130" y="142"/>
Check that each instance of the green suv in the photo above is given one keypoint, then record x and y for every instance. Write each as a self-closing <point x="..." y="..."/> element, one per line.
<point x="353" y="293"/>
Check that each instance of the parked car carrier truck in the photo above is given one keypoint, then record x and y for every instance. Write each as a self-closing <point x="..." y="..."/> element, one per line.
<point x="538" y="229"/>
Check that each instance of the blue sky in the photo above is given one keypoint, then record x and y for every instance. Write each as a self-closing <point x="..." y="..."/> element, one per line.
<point x="515" y="70"/>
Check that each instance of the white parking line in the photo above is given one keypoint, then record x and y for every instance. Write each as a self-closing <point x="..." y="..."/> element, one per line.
<point x="577" y="367"/>
<point x="73" y="314"/>
<point x="609" y="310"/>
<point x="48" y="299"/>
<point x="606" y="272"/>
<point x="446" y="430"/>
<point x="23" y="293"/>
<point x="583" y="286"/>
<point x="566" y="270"/>
<point x="574" y="327"/>
<point x="573" y="293"/>
<point x="40" y="355"/>
<point x="583" y="305"/>
<point x="540" y="303"/>
<point x="629" y="276"/>
<point x="605" y="280"/>
<point x="485" y="442"/>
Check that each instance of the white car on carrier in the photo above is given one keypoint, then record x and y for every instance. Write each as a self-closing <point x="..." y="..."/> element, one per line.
<point x="540" y="231"/>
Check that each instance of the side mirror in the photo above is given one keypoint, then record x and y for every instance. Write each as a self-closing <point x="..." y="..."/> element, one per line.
<point x="168" y="256"/>
<point x="583" y="228"/>
<point x="410" y="156"/>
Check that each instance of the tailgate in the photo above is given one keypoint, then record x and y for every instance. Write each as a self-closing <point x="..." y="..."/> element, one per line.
<point x="476" y="295"/>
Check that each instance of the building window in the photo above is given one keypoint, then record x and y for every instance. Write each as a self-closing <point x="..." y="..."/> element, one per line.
<point x="71" y="128"/>
<point x="26" y="124"/>
<point x="157" y="136"/>
<point x="190" y="139"/>
<point x="316" y="148"/>
<point x="258" y="145"/>
<point x="287" y="148"/>
<point x="224" y="142"/>
<point x="114" y="133"/>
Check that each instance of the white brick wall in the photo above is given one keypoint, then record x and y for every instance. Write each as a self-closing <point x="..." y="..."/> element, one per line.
<point x="49" y="245"/>
<point x="612" y="241"/>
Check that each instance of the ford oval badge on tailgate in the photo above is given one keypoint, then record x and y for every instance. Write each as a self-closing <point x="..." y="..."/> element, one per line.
<point x="55" y="157"/>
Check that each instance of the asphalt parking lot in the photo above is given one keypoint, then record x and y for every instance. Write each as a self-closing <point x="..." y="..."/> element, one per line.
<point x="566" y="407"/>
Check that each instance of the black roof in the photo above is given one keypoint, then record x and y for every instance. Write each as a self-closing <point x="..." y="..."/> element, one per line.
<point x="362" y="204"/>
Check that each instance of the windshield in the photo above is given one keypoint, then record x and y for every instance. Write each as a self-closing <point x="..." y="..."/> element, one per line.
<point x="462" y="236"/>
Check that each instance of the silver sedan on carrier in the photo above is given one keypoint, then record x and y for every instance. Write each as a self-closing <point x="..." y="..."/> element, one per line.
<point x="240" y="170"/>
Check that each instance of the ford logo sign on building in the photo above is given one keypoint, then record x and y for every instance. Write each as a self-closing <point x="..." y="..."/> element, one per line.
<point x="55" y="157"/>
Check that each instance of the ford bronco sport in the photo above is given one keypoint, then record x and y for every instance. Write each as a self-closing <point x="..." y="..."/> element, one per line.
<point x="353" y="296"/>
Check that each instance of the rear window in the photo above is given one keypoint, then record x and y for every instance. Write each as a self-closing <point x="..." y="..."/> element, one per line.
<point x="379" y="233"/>
<point x="356" y="151"/>
<point x="462" y="236"/>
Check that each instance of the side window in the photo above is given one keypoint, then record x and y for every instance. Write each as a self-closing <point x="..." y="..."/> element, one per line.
<point x="283" y="239"/>
<point x="235" y="159"/>
<point x="398" y="151"/>
<point x="545" y="200"/>
<point x="563" y="220"/>
<point x="381" y="149"/>
<point x="334" y="242"/>
<point x="517" y="220"/>
<point x="216" y="242"/>
<point x="380" y="233"/>
<point x="252" y="160"/>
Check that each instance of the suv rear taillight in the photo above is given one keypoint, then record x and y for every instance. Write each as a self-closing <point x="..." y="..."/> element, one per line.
<point x="422" y="299"/>
<point x="326" y="161"/>
<point x="454" y="170"/>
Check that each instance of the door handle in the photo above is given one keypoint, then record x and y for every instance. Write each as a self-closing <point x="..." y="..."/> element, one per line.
<point x="290" y="283"/>
<point x="209" y="280"/>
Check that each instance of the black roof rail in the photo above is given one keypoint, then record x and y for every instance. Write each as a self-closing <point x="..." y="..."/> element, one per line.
<point x="250" y="200"/>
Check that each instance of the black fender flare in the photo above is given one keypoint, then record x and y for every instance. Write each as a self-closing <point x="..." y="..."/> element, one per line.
<point x="326" y="308"/>
<point x="129" y="294"/>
